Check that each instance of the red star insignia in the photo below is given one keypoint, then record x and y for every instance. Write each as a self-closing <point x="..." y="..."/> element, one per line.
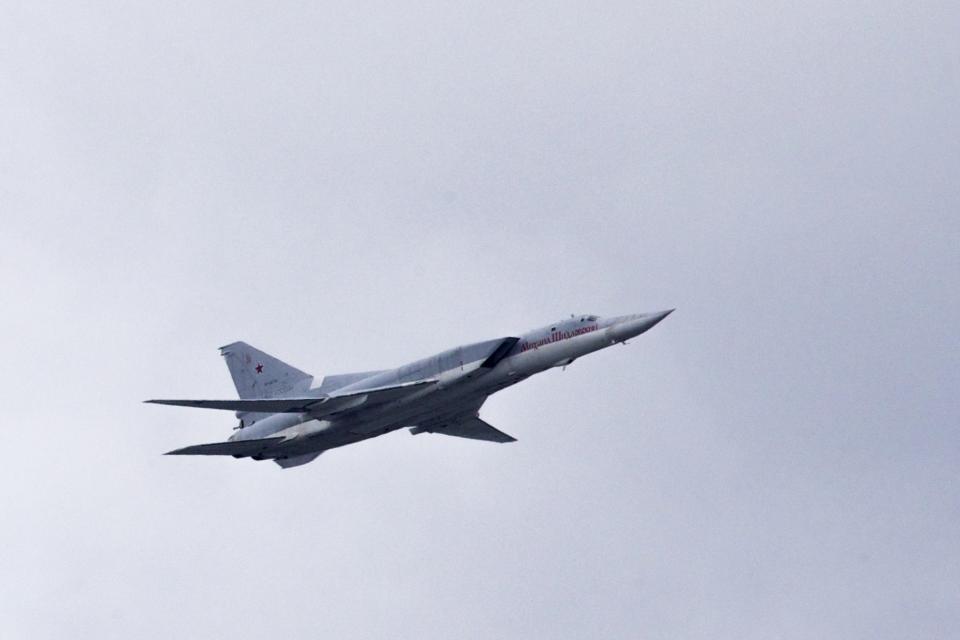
<point x="259" y="368"/>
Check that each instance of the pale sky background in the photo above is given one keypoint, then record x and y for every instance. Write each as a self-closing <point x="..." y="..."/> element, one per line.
<point x="355" y="185"/>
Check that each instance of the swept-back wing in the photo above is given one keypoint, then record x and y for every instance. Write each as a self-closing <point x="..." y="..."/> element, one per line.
<point x="278" y="405"/>
<point x="321" y="406"/>
<point x="236" y="448"/>
<point x="473" y="428"/>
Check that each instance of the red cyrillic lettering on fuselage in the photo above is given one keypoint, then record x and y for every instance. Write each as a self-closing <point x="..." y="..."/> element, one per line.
<point x="557" y="336"/>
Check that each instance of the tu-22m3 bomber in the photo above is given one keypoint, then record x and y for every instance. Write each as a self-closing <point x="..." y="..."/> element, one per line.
<point x="286" y="418"/>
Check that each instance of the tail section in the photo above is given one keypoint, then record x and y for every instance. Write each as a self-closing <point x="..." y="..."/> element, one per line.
<point x="259" y="375"/>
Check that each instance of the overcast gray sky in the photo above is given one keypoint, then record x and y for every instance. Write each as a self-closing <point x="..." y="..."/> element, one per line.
<point x="355" y="185"/>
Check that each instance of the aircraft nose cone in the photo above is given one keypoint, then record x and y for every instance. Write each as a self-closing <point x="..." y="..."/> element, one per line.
<point x="632" y="326"/>
<point x="654" y="318"/>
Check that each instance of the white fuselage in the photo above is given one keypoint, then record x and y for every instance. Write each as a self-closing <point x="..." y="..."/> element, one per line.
<point x="462" y="384"/>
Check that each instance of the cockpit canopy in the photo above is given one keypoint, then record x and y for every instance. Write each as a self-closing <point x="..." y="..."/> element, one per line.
<point x="573" y="321"/>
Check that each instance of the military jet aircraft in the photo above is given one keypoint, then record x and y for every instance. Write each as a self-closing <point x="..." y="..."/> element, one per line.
<point x="284" y="417"/>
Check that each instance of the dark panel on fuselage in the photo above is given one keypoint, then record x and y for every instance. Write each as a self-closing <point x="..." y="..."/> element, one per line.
<point x="501" y="352"/>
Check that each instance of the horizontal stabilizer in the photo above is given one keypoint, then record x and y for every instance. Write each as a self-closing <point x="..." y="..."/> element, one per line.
<point x="317" y="407"/>
<point x="236" y="448"/>
<point x="473" y="428"/>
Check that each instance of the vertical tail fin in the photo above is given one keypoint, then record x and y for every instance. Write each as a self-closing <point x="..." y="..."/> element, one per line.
<point x="259" y="375"/>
